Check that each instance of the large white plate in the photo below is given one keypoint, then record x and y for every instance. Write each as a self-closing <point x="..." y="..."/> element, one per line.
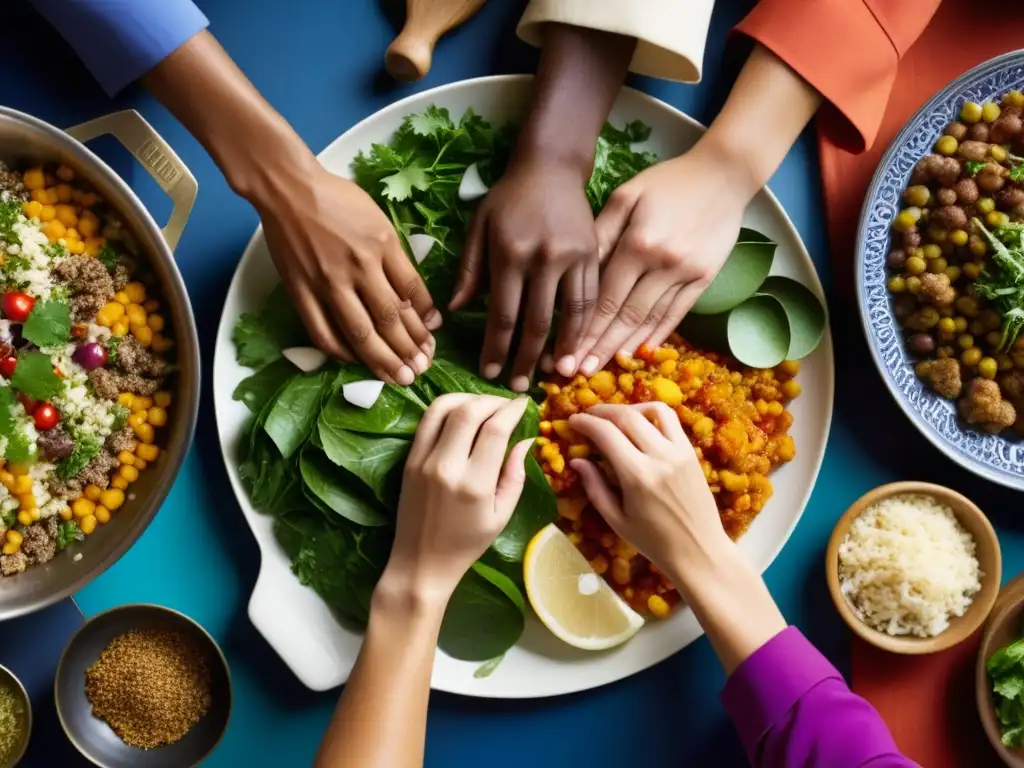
<point x="298" y="624"/>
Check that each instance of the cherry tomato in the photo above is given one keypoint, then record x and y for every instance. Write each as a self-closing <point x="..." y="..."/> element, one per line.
<point x="46" y="417"/>
<point x="7" y="366"/>
<point x="17" y="306"/>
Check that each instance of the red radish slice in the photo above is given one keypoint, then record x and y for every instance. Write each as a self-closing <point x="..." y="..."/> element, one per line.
<point x="472" y="186"/>
<point x="362" y="394"/>
<point x="306" y="359"/>
<point x="421" y="245"/>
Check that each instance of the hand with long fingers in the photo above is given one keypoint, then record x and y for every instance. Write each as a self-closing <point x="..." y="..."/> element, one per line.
<point x="459" y="489"/>
<point x="358" y="294"/>
<point x="537" y="230"/>
<point x="663" y="505"/>
<point x="667" y="231"/>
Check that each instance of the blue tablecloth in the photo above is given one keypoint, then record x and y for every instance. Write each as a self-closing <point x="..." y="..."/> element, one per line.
<point x="319" y="62"/>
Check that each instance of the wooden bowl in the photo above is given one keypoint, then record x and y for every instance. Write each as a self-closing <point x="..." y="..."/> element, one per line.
<point x="1005" y="624"/>
<point x="987" y="552"/>
<point x="9" y="679"/>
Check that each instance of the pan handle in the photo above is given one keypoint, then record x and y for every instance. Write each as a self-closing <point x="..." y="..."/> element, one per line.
<point x="156" y="156"/>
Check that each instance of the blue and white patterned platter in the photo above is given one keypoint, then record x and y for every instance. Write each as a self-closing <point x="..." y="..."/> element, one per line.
<point x="998" y="458"/>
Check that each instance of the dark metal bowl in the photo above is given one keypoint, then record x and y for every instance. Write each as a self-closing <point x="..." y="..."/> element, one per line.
<point x="9" y="678"/>
<point x="92" y="736"/>
<point x="27" y="140"/>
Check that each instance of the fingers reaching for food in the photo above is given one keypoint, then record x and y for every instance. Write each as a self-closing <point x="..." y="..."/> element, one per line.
<point x="535" y="229"/>
<point x="458" y="489"/>
<point x="357" y="292"/>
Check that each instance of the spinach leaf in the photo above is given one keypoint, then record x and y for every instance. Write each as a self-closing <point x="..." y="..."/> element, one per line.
<point x="377" y="461"/>
<point x="48" y="325"/>
<point x="449" y="377"/>
<point x="257" y="389"/>
<point x="16" y="446"/>
<point x="481" y="622"/>
<point x="397" y="411"/>
<point x="295" y="410"/>
<point x="327" y="483"/>
<point x="259" y="338"/>
<point x="34" y="375"/>
<point x="502" y="582"/>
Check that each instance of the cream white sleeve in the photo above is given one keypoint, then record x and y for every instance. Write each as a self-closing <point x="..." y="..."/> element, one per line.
<point x="670" y="33"/>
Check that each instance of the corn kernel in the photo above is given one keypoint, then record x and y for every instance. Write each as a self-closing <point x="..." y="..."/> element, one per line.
<point x="131" y="474"/>
<point x="561" y="427"/>
<point x="626" y="382"/>
<point x="136" y="292"/>
<point x="88" y="224"/>
<point x="136" y="314"/>
<point x="119" y="482"/>
<point x="147" y="453"/>
<point x="10" y="549"/>
<point x="791" y="389"/>
<point x="144" y="432"/>
<point x="141" y="403"/>
<point x="576" y="538"/>
<point x="163" y="399"/>
<point x="102" y="515"/>
<point x="137" y="418"/>
<point x="14" y="537"/>
<point x="144" y="335"/>
<point x="658" y="607"/>
<point x="87" y="524"/>
<point x="22" y="484"/>
<point x="54" y="230"/>
<point x="579" y="451"/>
<point x="126" y="458"/>
<point x="7" y="479"/>
<point x="112" y="499"/>
<point x="586" y="397"/>
<point x="570" y="508"/>
<point x="26" y="500"/>
<point x="109" y="314"/>
<point x="547" y="452"/>
<point x="541" y="441"/>
<point x="34" y="179"/>
<point x="545" y="428"/>
<point x="667" y="391"/>
<point x="65" y="513"/>
<point x="155" y="322"/>
<point x="64" y="173"/>
<point x="32" y="208"/>
<point x="600" y="565"/>
<point x="557" y="464"/>
<point x="151" y="305"/>
<point x="81" y="507"/>
<point x="161" y="343"/>
<point x="120" y="328"/>
<point x="603" y="383"/>
<point x="667" y="367"/>
<point x="126" y="399"/>
<point x="661" y="354"/>
<point x="140" y="464"/>
<point x="66" y="215"/>
<point x="122" y="298"/>
<point x="25" y="518"/>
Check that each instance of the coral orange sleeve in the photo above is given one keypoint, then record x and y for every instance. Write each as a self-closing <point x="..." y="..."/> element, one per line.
<point x="847" y="49"/>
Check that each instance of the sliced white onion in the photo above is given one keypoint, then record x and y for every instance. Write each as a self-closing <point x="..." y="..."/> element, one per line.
<point x="472" y="186"/>
<point x="306" y="359"/>
<point x="587" y="583"/>
<point x="420" y="245"/>
<point x="362" y="394"/>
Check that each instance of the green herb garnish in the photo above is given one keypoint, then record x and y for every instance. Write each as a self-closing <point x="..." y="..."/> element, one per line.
<point x="87" y="447"/>
<point x="34" y="375"/>
<point x="1017" y="172"/>
<point x="120" y="414"/>
<point x="1002" y="281"/>
<point x="68" y="533"/>
<point x="1006" y="671"/>
<point x="108" y="258"/>
<point x="15" y="446"/>
<point x="974" y="167"/>
<point x="10" y="214"/>
<point x="48" y="325"/>
<point x="112" y="345"/>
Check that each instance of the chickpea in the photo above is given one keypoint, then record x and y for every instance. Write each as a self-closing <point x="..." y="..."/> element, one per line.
<point x="970" y="112"/>
<point x="897" y="284"/>
<point x="990" y="112"/>
<point x="915" y="265"/>
<point x="986" y="205"/>
<point x="935" y="266"/>
<point x="965" y="341"/>
<point x="913" y="284"/>
<point x="946" y="145"/>
<point x="918" y="195"/>
<point x="953" y="273"/>
<point x="971" y="357"/>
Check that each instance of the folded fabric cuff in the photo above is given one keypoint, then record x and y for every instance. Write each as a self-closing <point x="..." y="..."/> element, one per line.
<point x="767" y="685"/>
<point x="121" y="40"/>
<point x="670" y="34"/>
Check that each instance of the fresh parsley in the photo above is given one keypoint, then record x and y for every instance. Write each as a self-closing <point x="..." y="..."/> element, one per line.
<point x="1006" y="671"/>
<point x="112" y="346"/>
<point x="68" y="533"/>
<point x="87" y="447"/>
<point x="107" y="258"/>
<point x="974" y="167"/>
<point x="1017" y="172"/>
<point x="10" y="214"/>
<point x="48" y="325"/>
<point x="34" y="375"/>
<point x="120" y="414"/>
<point x="15" y="446"/>
<point x="1002" y="281"/>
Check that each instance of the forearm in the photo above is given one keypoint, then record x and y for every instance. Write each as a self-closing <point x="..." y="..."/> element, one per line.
<point x="768" y="107"/>
<point x="380" y="721"/>
<point x="728" y="597"/>
<point x="250" y="142"/>
<point x="581" y="72"/>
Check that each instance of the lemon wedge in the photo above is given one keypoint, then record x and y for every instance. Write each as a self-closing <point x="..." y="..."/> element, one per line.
<point x="574" y="602"/>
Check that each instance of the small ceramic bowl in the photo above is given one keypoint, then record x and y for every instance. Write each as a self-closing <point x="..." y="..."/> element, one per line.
<point x="1005" y="625"/>
<point x="9" y="679"/>
<point x="92" y="736"/>
<point x="987" y="552"/>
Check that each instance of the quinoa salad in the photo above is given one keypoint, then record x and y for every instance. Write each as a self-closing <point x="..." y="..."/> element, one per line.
<point x="82" y="366"/>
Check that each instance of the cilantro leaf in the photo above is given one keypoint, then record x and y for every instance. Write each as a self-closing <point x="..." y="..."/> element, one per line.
<point x="431" y="122"/>
<point x="974" y="167"/>
<point x="49" y="324"/>
<point x="15" y="445"/>
<point x="34" y="375"/>
<point x="1017" y="172"/>
<point x="399" y="185"/>
<point x="87" y="446"/>
<point x="615" y="161"/>
<point x="108" y="258"/>
<point x="120" y="414"/>
<point x="68" y="533"/>
<point x="112" y="345"/>
<point x="10" y="213"/>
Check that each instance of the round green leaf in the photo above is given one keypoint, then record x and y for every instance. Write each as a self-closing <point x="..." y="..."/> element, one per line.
<point x="744" y="271"/>
<point x="804" y="311"/>
<point x="758" y="332"/>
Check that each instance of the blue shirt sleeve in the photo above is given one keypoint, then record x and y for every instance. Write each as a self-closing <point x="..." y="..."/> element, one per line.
<point x="121" y="40"/>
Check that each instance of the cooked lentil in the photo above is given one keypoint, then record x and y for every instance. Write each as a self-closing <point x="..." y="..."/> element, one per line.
<point x="12" y="721"/>
<point x="735" y="417"/>
<point x="150" y="686"/>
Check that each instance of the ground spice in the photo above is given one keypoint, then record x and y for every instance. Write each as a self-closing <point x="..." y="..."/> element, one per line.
<point x="12" y="721"/>
<point x="150" y="686"/>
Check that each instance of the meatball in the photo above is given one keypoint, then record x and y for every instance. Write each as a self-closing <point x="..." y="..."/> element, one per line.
<point x="945" y="170"/>
<point x="937" y="289"/>
<point x="966" y="191"/>
<point x="942" y="376"/>
<point x="984" y="405"/>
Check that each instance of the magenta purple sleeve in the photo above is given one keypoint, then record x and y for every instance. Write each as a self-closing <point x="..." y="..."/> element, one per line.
<point x="792" y="708"/>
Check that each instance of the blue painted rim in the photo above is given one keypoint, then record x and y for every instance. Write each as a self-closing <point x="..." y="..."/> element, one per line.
<point x="995" y="457"/>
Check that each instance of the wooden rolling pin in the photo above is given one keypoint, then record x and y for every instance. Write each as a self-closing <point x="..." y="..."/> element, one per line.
<point x="409" y="55"/>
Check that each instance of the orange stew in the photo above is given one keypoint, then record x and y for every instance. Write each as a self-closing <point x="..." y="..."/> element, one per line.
<point x="735" y="417"/>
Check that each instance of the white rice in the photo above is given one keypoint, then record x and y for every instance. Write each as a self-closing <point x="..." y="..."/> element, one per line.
<point x="907" y="566"/>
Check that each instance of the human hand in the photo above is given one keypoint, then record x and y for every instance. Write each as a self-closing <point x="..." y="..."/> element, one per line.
<point x="537" y="229"/>
<point x="665" y="508"/>
<point x="458" y="491"/>
<point x="669" y="230"/>
<point x="357" y="292"/>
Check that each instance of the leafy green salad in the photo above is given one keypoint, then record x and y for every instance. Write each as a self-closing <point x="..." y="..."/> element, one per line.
<point x="330" y="472"/>
<point x="1006" y="670"/>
